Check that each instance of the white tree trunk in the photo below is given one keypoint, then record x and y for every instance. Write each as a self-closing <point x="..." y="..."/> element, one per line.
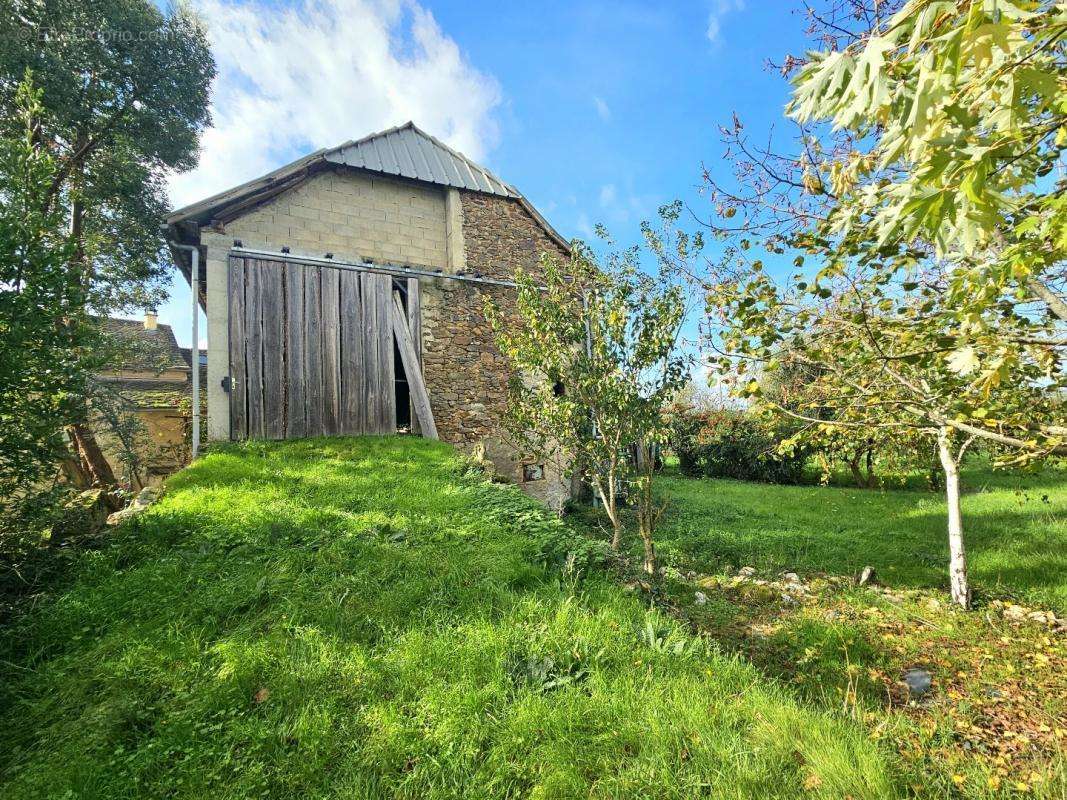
<point x="957" y="565"/>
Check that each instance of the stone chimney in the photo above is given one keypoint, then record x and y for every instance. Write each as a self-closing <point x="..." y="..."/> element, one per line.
<point x="150" y="319"/>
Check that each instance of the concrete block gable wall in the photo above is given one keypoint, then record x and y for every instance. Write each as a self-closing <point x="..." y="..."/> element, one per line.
<point x="359" y="215"/>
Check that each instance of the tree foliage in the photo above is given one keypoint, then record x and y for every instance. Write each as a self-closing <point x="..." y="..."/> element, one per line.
<point x="44" y="330"/>
<point x="922" y="191"/>
<point x="595" y="362"/>
<point x="124" y="100"/>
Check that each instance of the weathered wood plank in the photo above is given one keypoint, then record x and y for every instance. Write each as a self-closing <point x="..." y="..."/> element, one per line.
<point x="296" y="387"/>
<point x="235" y="272"/>
<point x="254" y="347"/>
<point x="414" y="309"/>
<point x="352" y="392"/>
<point x="313" y="350"/>
<point x="372" y="372"/>
<point x="331" y="355"/>
<point x="417" y="386"/>
<point x="387" y="396"/>
<point x="272" y="281"/>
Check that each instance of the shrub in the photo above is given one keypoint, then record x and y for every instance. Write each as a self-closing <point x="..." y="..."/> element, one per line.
<point x="731" y="444"/>
<point x="686" y="424"/>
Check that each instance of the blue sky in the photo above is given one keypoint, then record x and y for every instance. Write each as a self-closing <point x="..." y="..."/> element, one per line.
<point x="597" y="111"/>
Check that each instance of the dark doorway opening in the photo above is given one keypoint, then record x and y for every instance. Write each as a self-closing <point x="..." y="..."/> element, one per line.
<point x="401" y="391"/>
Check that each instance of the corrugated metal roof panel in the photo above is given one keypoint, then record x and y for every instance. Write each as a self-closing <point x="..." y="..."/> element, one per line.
<point x="404" y="151"/>
<point x="409" y="152"/>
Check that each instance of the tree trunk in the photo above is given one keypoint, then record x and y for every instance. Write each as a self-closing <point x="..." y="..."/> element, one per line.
<point x="647" y="514"/>
<point x="72" y="470"/>
<point x="616" y="531"/>
<point x="82" y="439"/>
<point x="854" y="466"/>
<point x="957" y="568"/>
<point x="610" y="508"/>
<point x="1056" y="304"/>
<point x="872" y="480"/>
<point x="650" y="551"/>
<point x="92" y="458"/>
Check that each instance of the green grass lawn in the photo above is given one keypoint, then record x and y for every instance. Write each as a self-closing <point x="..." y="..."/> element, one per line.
<point x="1015" y="529"/>
<point x="359" y="618"/>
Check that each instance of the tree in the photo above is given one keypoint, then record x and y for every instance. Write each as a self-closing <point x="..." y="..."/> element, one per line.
<point x="879" y="364"/>
<point x="927" y="130"/>
<point x="124" y="99"/>
<point x="921" y="186"/>
<point x="595" y="362"/>
<point x="45" y="334"/>
<point x="963" y="106"/>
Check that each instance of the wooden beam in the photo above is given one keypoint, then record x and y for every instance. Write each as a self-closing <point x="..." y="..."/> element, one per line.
<point x="313" y="349"/>
<point x="254" y="347"/>
<point x="295" y="379"/>
<point x="331" y="351"/>
<point x="353" y="393"/>
<point x="410" y="360"/>
<point x="271" y="282"/>
<point x="238" y="377"/>
<point x="415" y="328"/>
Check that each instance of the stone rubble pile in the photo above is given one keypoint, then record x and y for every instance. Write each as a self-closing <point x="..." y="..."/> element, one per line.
<point x="789" y="590"/>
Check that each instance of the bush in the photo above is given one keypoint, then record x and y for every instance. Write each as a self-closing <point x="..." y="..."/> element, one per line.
<point x="26" y="523"/>
<point x="685" y="426"/>
<point x="732" y="444"/>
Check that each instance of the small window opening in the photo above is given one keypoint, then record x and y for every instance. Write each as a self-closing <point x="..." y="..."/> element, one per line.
<point x="533" y="472"/>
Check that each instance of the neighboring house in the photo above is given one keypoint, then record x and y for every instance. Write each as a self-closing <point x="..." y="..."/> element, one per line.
<point x="314" y="276"/>
<point x="153" y="380"/>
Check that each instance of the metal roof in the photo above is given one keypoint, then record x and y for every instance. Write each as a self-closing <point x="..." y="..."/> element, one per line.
<point x="410" y="152"/>
<point x="405" y="151"/>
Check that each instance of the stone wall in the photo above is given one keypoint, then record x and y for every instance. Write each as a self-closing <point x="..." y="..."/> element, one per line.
<point x="465" y="373"/>
<point x="356" y="215"/>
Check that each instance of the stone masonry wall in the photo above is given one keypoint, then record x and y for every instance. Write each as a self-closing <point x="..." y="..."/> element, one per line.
<point x="465" y="373"/>
<point x="357" y="215"/>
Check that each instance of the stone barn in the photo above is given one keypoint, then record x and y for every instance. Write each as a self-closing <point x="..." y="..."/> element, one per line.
<point x="344" y="294"/>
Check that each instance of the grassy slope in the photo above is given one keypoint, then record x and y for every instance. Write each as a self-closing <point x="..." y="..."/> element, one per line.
<point x="1015" y="528"/>
<point x="352" y="618"/>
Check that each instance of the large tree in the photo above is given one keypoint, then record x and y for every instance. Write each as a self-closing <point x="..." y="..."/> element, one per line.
<point x="124" y="98"/>
<point x="44" y="331"/>
<point x="923" y="189"/>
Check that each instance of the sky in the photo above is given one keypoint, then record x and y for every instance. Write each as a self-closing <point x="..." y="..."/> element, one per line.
<point x="599" y="112"/>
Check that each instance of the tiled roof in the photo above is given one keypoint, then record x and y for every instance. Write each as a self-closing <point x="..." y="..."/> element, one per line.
<point x="154" y="350"/>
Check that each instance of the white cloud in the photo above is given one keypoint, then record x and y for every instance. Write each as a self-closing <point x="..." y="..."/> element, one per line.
<point x="715" y="17"/>
<point x="319" y="72"/>
<point x="602" y="109"/>
<point x="608" y="195"/>
<point x="584" y="226"/>
<point x="626" y="206"/>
